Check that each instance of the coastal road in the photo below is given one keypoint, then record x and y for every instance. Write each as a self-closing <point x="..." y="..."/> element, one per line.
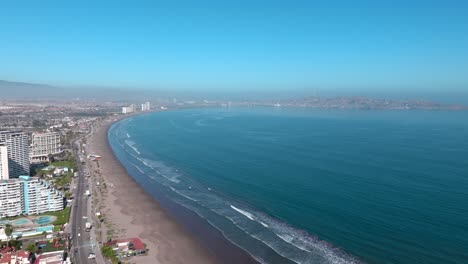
<point x="83" y="242"/>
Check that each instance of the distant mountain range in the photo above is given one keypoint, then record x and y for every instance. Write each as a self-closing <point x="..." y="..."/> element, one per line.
<point x="21" y="90"/>
<point x="33" y="91"/>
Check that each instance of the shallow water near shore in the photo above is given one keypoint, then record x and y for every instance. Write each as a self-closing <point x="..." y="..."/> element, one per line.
<point x="312" y="186"/>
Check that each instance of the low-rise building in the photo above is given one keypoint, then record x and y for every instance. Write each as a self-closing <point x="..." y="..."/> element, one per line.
<point x="56" y="257"/>
<point x="10" y="255"/>
<point x="127" y="247"/>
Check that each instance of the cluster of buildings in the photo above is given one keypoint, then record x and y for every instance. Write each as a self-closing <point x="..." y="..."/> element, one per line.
<point x="132" y="108"/>
<point x="20" y="193"/>
<point x="10" y="255"/>
<point x="16" y="154"/>
<point x="145" y="107"/>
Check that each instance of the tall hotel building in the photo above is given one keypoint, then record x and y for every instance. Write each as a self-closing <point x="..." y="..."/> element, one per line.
<point x="28" y="195"/>
<point x="18" y="152"/>
<point x="43" y="145"/>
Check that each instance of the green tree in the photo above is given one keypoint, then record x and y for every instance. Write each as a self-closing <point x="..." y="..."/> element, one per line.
<point x="109" y="253"/>
<point x="32" y="248"/>
<point x="8" y="232"/>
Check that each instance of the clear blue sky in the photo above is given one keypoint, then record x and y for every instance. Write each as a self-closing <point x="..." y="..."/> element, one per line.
<point x="244" y="44"/>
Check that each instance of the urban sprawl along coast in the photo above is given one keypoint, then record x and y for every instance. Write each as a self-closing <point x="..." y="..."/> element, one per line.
<point x="49" y="187"/>
<point x="65" y="198"/>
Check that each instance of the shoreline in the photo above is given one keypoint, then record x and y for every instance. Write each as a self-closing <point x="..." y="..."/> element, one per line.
<point x="172" y="233"/>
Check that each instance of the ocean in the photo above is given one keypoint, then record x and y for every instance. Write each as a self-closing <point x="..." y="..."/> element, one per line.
<point x="311" y="186"/>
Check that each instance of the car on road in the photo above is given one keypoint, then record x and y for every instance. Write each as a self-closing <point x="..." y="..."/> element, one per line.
<point x="91" y="256"/>
<point x="79" y="234"/>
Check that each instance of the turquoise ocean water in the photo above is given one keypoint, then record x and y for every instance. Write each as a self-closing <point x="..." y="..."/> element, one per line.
<point x="312" y="186"/>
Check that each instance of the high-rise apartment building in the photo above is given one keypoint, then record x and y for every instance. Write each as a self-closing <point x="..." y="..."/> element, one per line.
<point x="129" y="109"/>
<point x="17" y="143"/>
<point x="11" y="197"/>
<point x="146" y="107"/>
<point x="43" y="145"/>
<point x="28" y="195"/>
<point x="4" y="174"/>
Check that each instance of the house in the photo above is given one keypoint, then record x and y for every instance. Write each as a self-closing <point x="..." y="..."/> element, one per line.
<point x="9" y="255"/>
<point x="56" y="257"/>
<point x="60" y="171"/>
<point x="127" y="247"/>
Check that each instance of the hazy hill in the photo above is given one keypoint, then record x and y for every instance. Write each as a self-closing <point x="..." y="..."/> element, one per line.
<point x="21" y="90"/>
<point x="33" y="91"/>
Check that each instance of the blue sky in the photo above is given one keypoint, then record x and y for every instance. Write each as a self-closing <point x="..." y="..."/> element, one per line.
<point x="376" y="46"/>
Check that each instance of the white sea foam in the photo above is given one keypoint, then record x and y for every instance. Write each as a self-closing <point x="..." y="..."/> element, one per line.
<point x="291" y="243"/>
<point x="132" y="144"/>
<point x="139" y="169"/>
<point x="247" y="214"/>
<point x="197" y="211"/>
<point x="161" y="169"/>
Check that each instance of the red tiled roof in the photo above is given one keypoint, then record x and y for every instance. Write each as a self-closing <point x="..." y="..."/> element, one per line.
<point x="22" y="253"/>
<point x="136" y="242"/>
<point x="6" y="257"/>
<point x="6" y="249"/>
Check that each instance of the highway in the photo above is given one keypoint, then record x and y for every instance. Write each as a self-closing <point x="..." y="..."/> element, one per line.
<point x="83" y="242"/>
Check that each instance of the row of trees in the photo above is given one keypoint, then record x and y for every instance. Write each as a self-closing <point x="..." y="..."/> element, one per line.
<point x="32" y="247"/>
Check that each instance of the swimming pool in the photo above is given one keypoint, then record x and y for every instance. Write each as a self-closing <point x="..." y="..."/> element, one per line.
<point x="44" y="228"/>
<point x="45" y="219"/>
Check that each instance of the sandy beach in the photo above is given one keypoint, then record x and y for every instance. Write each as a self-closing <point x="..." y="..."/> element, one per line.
<point x="130" y="212"/>
<point x="133" y="213"/>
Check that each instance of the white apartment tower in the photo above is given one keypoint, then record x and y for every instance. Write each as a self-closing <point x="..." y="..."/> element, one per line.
<point x="11" y="196"/>
<point x="4" y="174"/>
<point x="129" y="109"/>
<point x="28" y="195"/>
<point x="43" y="145"/>
<point x="145" y="107"/>
<point x="40" y="197"/>
<point x="17" y="143"/>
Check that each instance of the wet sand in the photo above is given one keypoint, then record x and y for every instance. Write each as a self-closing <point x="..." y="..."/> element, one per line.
<point x="172" y="233"/>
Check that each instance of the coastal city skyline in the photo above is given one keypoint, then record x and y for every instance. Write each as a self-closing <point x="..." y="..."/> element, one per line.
<point x="233" y="132"/>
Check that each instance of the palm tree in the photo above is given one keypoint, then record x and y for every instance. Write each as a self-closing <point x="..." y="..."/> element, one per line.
<point x="8" y="232"/>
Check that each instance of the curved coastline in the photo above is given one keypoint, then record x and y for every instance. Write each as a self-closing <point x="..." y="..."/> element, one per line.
<point x="172" y="233"/>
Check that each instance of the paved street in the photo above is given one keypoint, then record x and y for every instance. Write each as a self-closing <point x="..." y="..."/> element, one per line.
<point x="84" y="242"/>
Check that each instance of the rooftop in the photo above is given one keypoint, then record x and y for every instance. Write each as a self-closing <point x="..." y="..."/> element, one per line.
<point x="135" y="241"/>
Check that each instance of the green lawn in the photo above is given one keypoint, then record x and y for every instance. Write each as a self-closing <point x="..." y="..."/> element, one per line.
<point x="50" y="247"/>
<point x="66" y="163"/>
<point x="62" y="216"/>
